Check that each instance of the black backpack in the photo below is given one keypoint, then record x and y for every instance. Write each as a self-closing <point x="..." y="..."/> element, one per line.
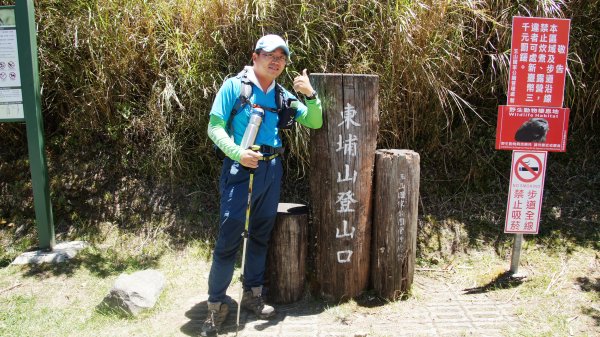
<point x="283" y="107"/>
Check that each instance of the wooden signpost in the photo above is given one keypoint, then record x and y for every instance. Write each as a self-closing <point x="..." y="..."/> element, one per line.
<point x="396" y="198"/>
<point x="342" y="156"/>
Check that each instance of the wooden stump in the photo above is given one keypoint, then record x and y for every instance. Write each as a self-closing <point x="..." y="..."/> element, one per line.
<point x="286" y="260"/>
<point x="342" y="156"/>
<point x="395" y="221"/>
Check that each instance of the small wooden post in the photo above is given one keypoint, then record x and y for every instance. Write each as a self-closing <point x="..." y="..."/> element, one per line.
<point x="342" y="155"/>
<point x="286" y="260"/>
<point x="395" y="221"/>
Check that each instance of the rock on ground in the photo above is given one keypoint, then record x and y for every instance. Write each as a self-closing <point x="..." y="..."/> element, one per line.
<point x="133" y="293"/>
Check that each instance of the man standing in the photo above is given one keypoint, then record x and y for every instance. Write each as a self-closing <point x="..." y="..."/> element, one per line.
<point x="229" y="118"/>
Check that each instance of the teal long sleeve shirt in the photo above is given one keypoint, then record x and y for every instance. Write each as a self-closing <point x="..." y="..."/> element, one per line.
<point x="309" y="115"/>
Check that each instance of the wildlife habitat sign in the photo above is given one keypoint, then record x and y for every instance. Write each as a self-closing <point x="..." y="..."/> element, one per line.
<point x="532" y="128"/>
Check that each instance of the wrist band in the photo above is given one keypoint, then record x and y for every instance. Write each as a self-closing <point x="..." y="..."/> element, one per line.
<point x="312" y="96"/>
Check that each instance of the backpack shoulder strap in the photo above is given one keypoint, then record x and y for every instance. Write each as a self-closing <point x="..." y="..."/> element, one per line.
<point x="279" y="97"/>
<point x="243" y="99"/>
<point x="285" y="112"/>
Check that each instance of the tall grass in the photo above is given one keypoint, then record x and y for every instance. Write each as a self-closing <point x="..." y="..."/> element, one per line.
<point x="140" y="75"/>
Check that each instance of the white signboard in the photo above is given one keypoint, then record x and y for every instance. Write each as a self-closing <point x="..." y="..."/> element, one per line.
<point x="11" y="99"/>
<point x="525" y="193"/>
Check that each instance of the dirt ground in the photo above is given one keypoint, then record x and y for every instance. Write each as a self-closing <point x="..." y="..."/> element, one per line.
<point x="462" y="299"/>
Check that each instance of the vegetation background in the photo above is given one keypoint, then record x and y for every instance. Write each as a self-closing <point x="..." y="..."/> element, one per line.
<point x="127" y="87"/>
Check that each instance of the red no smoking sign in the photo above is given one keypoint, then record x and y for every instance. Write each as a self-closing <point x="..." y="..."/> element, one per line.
<point x="528" y="168"/>
<point x="525" y="193"/>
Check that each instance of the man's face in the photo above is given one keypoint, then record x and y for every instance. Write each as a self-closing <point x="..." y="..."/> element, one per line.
<point x="269" y="64"/>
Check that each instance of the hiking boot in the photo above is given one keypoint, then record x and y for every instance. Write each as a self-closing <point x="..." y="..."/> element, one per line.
<point x="217" y="313"/>
<point x="252" y="300"/>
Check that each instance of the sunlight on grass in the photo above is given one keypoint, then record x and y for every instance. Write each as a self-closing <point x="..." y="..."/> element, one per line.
<point x="62" y="300"/>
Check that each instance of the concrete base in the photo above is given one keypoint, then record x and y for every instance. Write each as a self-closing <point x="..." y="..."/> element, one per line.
<point x="61" y="253"/>
<point x="519" y="275"/>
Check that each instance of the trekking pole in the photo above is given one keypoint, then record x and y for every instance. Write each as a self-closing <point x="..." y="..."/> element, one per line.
<point x="245" y="236"/>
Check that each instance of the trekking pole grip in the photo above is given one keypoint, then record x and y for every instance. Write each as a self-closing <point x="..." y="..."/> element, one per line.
<point x="254" y="148"/>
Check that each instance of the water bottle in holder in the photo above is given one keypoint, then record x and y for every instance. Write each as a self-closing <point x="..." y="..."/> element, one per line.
<point x="256" y="116"/>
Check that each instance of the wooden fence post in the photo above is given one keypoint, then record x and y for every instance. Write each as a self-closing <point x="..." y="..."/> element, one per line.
<point x="342" y="155"/>
<point x="395" y="221"/>
<point x="286" y="259"/>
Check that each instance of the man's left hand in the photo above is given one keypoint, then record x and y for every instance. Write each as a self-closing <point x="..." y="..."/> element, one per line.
<point x="302" y="84"/>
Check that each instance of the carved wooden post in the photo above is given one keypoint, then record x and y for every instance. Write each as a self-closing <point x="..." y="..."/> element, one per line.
<point x="342" y="155"/>
<point x="286" y="260"/>
<point x="395" y="221"/>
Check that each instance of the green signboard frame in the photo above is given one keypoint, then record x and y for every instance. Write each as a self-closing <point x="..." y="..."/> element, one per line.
<point x="31" y="100"/>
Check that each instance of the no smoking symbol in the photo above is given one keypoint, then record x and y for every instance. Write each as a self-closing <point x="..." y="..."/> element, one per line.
<point x="528" y="168"/>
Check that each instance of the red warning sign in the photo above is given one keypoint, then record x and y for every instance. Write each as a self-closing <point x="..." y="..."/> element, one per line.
<point x="525" y="192"/>
<point x="538" y="64"/>
<point x="532" y="128"/>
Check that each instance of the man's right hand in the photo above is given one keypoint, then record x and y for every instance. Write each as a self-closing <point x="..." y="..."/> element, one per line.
<point x="250" y="158"/>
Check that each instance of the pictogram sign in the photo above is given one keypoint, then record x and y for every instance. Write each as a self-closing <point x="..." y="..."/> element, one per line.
<point x="532" y="128"/>
<point x="528" y="168"/>
<point x="11" y="95"/>
<point x="525" y="192"/>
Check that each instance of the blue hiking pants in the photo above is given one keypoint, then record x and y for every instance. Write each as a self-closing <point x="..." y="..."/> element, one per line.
<point x="234" y="200"/>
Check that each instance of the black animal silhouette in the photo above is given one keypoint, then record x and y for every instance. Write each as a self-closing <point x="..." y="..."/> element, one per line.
<point x="533" y="130"/>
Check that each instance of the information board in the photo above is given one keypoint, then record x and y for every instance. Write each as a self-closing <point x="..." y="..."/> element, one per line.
<point x="11" y="96"/>
<point x="20" y="101"/>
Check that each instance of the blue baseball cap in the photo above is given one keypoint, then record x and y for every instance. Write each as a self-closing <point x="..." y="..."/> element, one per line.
<point x="271" y="42"/>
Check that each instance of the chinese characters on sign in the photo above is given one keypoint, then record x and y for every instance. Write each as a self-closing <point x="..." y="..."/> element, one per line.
<point x="11" y="98"/>
<point x="538" y="61"/>
<point x="532" y="128"/>
<point x="525" y="192"/>
<point x="402" y="214"/>
<point x="346" y="203"/>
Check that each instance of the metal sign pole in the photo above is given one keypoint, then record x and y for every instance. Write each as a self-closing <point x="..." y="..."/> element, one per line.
<point x="28" y="64"/>
<point x="516" y="254"/>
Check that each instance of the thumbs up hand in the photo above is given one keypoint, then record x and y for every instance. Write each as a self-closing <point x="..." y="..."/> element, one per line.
<point x="302" y="84"/>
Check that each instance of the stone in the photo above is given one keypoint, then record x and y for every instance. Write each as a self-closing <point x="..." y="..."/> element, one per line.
<point x="60" y="253"/>
<point x="133" y="293"/>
